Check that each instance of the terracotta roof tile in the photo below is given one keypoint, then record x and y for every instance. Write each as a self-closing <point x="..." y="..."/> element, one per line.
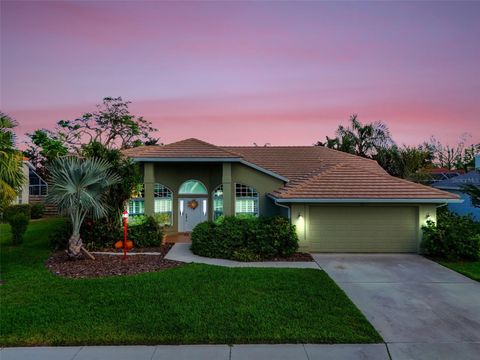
<point x="352" y="182"/>
<point x="313" y="172"/>
<point x="189" y="148"/>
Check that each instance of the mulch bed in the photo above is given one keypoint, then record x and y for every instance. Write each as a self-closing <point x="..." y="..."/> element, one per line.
<point x="109" y="265"/>
<point x="298" y="256"/>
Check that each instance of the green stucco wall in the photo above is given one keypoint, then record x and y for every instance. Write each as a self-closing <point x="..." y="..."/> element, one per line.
<point x="172" y="175"/>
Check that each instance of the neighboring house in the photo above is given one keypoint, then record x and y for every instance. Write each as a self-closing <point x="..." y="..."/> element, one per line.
<point x="338" y="202"/>
<point x="440" y="174"/>
<point x="34" y="186"/>
<point x="455" y="186"/>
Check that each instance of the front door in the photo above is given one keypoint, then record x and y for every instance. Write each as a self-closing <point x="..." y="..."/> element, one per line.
<point x="191" y="212"/>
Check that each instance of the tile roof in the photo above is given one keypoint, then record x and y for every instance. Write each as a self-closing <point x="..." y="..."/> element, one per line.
<point x="345" y="181"/>
<point x="189" y="148"/>
<point x="314" y="172"/>
<point x="457" y="182"/>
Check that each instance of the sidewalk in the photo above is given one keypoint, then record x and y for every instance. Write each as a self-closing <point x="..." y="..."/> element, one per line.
<point x="201" y="352"/>
<point x="181" y="252"/>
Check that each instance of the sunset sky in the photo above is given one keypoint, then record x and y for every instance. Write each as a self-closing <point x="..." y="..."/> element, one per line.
<point x="243" y="72"/>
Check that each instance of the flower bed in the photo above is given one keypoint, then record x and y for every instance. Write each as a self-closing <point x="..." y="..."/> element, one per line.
<point x="109" y="265"/>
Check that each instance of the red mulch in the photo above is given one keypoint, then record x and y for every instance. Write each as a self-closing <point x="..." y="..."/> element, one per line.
<point x="298" y="256"/>
<point x="109" y="265"/>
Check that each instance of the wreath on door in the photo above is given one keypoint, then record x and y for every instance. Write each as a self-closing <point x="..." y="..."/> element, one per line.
<point x="193" y="204"/>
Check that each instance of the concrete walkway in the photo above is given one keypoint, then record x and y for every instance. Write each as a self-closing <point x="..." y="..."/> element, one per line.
<point x="422" y="309"/>
<point x="181" y="252"/>
<point x="200" y="352"/>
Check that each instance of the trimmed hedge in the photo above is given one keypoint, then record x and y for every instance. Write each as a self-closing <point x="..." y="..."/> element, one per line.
<point x="146" y="234"/>
<point x="453" y="238"/>
<point x="36" y="211"/>
<point x="13" y="210"/>
<point x="245" y="239"/>
<point x="18" y="224"/>
<point x="96" y="235"/>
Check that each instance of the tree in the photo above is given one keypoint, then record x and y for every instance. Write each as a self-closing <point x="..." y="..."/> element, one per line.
<point x="405" y="162"/>
<point x="11" y="174"/>
<point x="45" y="146"/>
<point x="111" y="125"/>
<point x="360" y="139"/>
<point x="460" y="156"/>
<point x="78" y="187"/>
<point x="118" y="194"/>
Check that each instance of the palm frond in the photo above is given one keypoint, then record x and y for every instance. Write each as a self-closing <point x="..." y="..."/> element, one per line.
<point x="78" y="185"/>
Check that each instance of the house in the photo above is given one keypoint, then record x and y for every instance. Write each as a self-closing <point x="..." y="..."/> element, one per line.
<point x="338" y="202"/>
<point x="34" y="188"/>
<point x="455" y="186"/>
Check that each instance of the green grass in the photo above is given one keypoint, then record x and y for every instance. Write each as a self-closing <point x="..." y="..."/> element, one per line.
<point x="189" y="304"/>
<point x="467" y="268"/>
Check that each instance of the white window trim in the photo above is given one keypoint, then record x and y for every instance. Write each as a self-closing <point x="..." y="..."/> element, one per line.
<point x="257" y="198"/>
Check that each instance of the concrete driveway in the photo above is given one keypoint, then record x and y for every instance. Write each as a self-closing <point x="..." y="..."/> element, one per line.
<point x="422" y="310"/>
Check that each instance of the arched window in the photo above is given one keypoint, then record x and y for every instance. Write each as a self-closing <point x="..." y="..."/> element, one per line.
<point x="246" y="200"/>
<point x="193" y="187"/>
<point x="163" y="204"/>
<point x="218" y="202"/>
<point x="136" y="205"/>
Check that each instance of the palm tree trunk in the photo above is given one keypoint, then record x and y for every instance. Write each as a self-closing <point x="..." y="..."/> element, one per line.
<point x="75" y="246"/>
<point x="75" y="242"/>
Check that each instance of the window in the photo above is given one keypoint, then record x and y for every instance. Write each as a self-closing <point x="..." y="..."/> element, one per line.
<point x="246" y="200"/>
<point x="218" y="202"/>
<point x="193" y="187"/>
<point x="37" y="186"/>
<point x="136" y="205"/>
<point x="163" y="203"/>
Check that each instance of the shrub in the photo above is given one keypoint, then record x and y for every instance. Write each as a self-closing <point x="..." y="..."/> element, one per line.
<point x="245" y="238"/>
<point x="58" y="238"/>
<point x="100" y="234"/>
<point x="203" y="240"/>
<point x="146" y="234"/>
<point x="18" y="223"/>
<point x="453" y="238"/>
<point x="36" y="211"/>
<point x="16" y="209"/>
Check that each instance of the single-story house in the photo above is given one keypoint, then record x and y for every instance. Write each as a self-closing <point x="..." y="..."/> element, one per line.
<point x="455" y="185"/>
<point x="338" y="202"/>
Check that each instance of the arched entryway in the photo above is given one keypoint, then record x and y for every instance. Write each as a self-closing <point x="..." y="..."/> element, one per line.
<point x="192" y="205"/>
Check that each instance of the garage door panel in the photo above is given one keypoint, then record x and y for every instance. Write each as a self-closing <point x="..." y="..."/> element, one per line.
<point x="362" y="229"/>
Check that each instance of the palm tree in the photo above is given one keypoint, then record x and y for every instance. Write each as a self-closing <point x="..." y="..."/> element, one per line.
<point x="11" y="175"/>
<point x="78" y="187"/>
<point x="365" y="139"/>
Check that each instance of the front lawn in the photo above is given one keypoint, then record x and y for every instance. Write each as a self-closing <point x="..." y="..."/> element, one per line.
<point x="188" y="304"/>
<point x="467" y="268"/>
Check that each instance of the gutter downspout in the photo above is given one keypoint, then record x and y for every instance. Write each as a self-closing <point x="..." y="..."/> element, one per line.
<point x="286" y="207"/>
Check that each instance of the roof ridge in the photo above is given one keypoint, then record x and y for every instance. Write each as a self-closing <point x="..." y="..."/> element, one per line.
<point x="205" y="143"/>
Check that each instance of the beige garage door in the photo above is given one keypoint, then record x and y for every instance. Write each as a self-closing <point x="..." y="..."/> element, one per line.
<point x="362" y="229"/>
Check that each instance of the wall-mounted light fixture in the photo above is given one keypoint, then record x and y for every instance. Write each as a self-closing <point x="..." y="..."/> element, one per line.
<point x="300" y="220"/>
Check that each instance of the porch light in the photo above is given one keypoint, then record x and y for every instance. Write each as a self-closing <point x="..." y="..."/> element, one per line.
<point x="204" y="207"/>
<point x="300" y="220"/>
<point x="181" y="207"/>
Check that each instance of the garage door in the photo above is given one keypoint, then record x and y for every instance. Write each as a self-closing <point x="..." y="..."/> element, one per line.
<point x="362" y="229"/>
